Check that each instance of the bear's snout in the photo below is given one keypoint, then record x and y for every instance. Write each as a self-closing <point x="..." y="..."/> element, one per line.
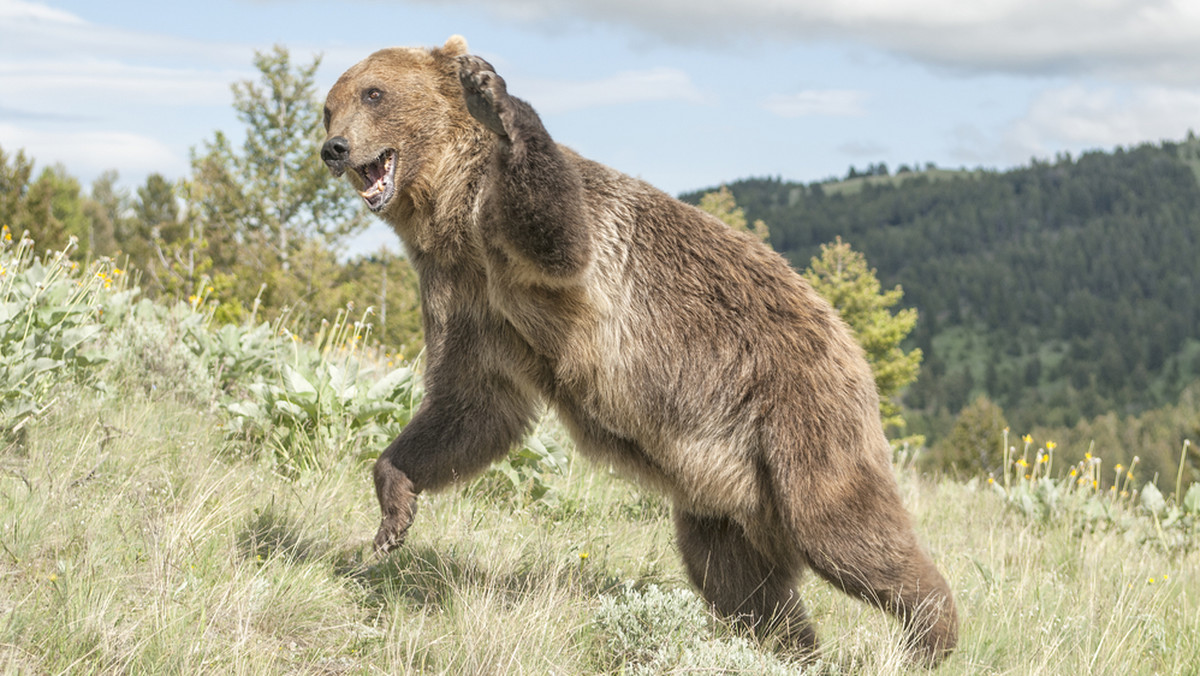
<point x="336" y="153"/>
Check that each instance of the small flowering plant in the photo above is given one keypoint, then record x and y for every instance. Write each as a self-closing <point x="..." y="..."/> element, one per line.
<point x="50" y="312"/>
<point x="1029" y="486"/>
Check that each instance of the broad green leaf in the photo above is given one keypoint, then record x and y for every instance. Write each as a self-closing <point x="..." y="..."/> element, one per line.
<point x="77" y="335"/>
<point x="376" y="408"/>
<point x="388" y="385"/>
<point x="296" y="383"/>
<point x="1191" y="500"/>
<point x="246" y="409"/>
<point x="1152" y="499"/>
<point x="289" y="409"/>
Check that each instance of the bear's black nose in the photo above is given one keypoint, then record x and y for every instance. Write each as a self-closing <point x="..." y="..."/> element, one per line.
<point x="336" y="152"/>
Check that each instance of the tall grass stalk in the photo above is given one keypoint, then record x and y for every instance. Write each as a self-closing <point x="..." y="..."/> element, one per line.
<point x="1179" y="474"/>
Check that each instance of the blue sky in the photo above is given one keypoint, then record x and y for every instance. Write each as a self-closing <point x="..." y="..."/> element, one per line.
<point x="683" y="93"/>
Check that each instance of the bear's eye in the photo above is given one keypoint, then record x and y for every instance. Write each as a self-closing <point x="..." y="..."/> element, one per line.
<point x="327" y="116"/>
<point x="372" y="95"/>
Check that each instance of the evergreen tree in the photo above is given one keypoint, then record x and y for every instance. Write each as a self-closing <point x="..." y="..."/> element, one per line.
<point x="15" y="172"/>
<point x="841" y="275"/>
<point x="975" y="446"/>
<point x="722" y="204"/>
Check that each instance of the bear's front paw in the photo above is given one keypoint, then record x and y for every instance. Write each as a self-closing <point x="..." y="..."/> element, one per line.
<point x="391" y="534"/>
<point x="485" y="92"/>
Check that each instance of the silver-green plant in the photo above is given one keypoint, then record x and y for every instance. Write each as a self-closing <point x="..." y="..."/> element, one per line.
<point x="322" y="402"/>
<point x="659" y="631"/>
<point x="51" y="309"/>
<point x="1083" y="494"/>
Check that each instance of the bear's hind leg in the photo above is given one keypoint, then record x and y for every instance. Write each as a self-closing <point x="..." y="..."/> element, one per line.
<point x="877" y="558"/>
<point x="741" y="583"/>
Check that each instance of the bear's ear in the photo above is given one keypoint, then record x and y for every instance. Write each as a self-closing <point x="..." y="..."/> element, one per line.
<point x="456" y="45"/>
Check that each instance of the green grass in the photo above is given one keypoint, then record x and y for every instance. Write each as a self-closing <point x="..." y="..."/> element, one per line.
<point x="135" y="542"/>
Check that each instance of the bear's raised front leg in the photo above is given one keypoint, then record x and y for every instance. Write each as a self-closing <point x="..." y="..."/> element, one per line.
<point x="481" y="89"/>
<point x="469" y="419"/>
<point x="397" y="501"/>
<point x="535" y="207"/>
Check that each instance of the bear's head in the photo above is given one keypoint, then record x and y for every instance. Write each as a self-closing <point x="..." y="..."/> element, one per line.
<point x="391" y="118"/>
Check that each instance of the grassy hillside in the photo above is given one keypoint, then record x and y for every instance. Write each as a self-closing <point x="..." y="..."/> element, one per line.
<point x="182" y="497"/>
<point x="134" y="542"/>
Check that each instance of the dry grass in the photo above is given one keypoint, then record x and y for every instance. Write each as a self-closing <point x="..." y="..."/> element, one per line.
<point x="133" y="544"/>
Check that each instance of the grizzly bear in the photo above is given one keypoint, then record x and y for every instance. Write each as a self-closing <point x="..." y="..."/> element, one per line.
<point x="686" y="355"/>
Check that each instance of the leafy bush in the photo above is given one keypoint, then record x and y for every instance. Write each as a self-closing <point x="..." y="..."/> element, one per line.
<point x="152" y="352"/>
<point x="319" y="401"/>
<point x="50" y="310"/>
<point x="523" y="472"/>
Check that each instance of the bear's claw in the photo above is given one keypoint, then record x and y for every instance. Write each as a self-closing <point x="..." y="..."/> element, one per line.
<point x="389" y="536"/>
<point x="484" y="91"/>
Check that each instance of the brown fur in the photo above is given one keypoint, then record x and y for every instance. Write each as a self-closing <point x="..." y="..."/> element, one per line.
<point x="687" y="355"/>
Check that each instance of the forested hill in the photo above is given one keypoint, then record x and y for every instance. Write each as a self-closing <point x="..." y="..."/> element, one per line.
<point x="1061" y="290"/>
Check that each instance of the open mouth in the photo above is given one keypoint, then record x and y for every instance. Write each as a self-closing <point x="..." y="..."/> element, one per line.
<point x="380" y="179"/>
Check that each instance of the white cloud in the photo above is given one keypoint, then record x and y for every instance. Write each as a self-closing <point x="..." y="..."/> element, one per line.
<point x="655" y="84"/>
<point x="19" y="10"/>
<point x="86" y="153"/>
<point x="828" y="102"/>
<point x="871" y="149"/>
<point x="1079" y="118"/>
<point x="58" y="85"/>
<point x="29" y="28"/>
<point x="1143" y="40"/>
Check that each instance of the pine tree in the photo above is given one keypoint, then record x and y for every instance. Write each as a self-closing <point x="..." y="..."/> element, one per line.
<point x="722" y="204"/>
<point x="840" y="274"/>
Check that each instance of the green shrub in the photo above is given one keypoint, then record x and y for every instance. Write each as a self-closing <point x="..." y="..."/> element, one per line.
<point x="50" y="310"/>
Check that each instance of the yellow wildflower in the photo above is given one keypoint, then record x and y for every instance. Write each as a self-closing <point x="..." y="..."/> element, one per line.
<point x="1028" y="438"/>
<point x="1050" y="445"/>
<point x="583" y="556"/>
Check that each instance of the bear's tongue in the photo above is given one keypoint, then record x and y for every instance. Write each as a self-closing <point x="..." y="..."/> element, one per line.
<point x="377" y="169"/>
<point x="378" y="175"/>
